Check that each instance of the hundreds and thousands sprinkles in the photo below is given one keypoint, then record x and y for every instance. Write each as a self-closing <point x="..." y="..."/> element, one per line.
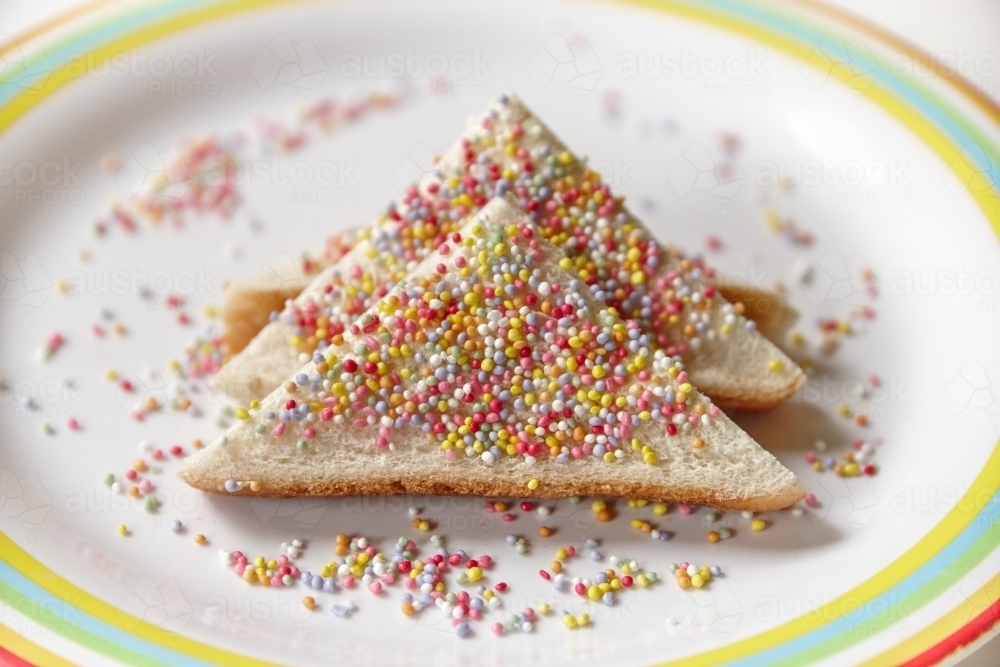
<point x="665" y="293"/>
<point x="492" y="360"/>
<point x="426" y="580"/>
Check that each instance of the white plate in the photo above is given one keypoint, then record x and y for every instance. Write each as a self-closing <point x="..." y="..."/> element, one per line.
<point x="873" y="195"/>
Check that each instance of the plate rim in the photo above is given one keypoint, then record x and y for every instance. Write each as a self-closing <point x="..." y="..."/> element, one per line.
<point x="969" y="529"/>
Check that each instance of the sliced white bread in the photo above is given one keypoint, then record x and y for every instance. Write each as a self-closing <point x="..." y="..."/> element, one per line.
<point x="447" y="386"/>
<point x="509" y="149"/>
<point x="344" y="290"/>
<point x="249" y="302"/>
<point x="773" y="314"/>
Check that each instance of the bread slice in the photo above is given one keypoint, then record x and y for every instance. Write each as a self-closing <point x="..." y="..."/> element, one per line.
<point x="770" y="311"/>
<point x="669" y="294"/>
<point x="249" y="302"/>
<point x="492" y="370"/>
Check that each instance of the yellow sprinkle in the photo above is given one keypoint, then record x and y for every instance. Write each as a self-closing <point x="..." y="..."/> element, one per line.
<point x="758" y="525"/>
<point x="122" y="529"/>
<point x="774" y="365"/>
<point x="533" y="484"/>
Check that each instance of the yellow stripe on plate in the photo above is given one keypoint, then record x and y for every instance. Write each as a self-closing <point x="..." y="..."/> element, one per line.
<point x="28" y="651"/>
<point x="944" y="627"/>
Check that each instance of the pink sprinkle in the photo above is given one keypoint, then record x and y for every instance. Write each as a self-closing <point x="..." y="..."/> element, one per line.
<point x="73" y="424"/>
<point x="545" y="575"/>
<point x="157" y="454"/>
<point x="309" y="433"/>
<point x="375" y="587"/>
<point x="810" y="500"/>
<point x="508" y="516"/>
<point x="497" y="629"/>
<point x="485" y="561"/>
<point x="348" y="581"/>
<point x="571" y="550"/>
<point x="279" y="430"/>
<point x="146" y="485"/>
